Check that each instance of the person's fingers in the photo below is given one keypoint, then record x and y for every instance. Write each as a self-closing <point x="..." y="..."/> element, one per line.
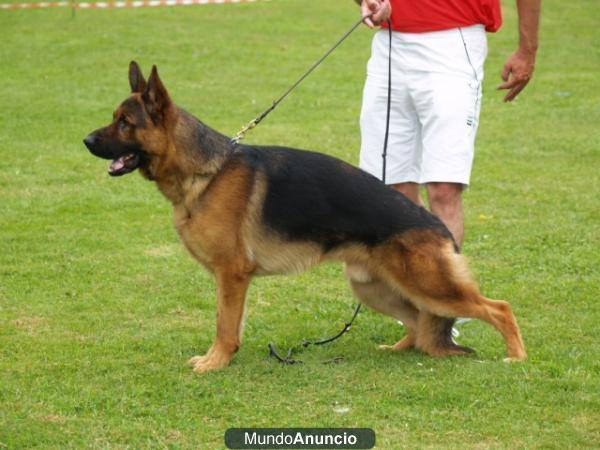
<point x="375" y="12"/>
<point x="369" y="4"/>
<point x="375" y="8"/>
<point x="516" y="73"/>
<point x="384" y="11"/>
<point x="373" y="5"/>
<point x="515" y="91"/>
<point x="367" y="14"/>
<point x="510" y="96"/>
<point x="505" y="72"/>
<point x="508" y="84"/>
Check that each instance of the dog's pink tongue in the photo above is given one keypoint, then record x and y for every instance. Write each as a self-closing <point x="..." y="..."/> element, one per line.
<point x="117" y="165"/>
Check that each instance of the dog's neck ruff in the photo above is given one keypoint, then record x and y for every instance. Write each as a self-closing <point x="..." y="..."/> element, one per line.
<point x="196" y="153"/>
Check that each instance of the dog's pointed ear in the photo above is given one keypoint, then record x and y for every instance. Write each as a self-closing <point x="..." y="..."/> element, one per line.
<point x="156" y="98"/>
<point x="136" y="79"/>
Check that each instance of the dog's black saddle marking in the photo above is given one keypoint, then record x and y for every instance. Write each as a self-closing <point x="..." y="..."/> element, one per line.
<point x="315" y="197"/>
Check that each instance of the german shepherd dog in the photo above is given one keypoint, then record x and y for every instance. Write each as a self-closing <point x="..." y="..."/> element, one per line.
<point x="245" y="210"/>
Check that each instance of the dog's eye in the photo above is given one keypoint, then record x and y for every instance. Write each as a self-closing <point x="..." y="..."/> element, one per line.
<point x="123" y="123"/>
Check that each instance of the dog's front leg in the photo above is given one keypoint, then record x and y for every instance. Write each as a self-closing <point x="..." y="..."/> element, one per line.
<point x="231" y="295"/>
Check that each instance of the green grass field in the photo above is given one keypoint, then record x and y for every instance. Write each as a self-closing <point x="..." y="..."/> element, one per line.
<point x="100" y="306"/>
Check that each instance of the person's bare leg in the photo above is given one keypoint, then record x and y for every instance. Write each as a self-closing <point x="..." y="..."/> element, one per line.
<point x="411" y="190"/>
<point x="445" y="201"/>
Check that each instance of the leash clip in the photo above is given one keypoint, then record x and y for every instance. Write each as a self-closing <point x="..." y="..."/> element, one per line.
<point x="242" y="133"/>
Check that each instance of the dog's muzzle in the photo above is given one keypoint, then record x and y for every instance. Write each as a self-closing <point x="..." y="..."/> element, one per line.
<point x="89" y="141"/>
<point x="125" y="159"/>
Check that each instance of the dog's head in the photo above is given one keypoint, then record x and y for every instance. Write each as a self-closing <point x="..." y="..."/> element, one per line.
<point x="137" y="136"/>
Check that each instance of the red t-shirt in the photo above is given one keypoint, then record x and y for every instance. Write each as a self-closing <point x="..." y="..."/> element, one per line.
<point x="418" y="16"/>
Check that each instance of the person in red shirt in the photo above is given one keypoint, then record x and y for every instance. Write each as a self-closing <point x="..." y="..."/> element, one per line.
<point x="438" y="51"/>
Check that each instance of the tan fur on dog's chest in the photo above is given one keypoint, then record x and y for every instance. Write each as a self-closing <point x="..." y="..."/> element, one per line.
<point x="210" y="215"/>
<point x="225" y="224"/>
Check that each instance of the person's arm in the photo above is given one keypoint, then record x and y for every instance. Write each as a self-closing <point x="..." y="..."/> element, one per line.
<point x="380" y="10"/>
<point x="519" y="67"/>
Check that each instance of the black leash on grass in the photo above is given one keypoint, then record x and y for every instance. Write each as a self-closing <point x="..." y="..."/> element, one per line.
<point x="288" y="359"/>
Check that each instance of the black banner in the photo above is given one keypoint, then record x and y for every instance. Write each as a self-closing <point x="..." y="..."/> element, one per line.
<point x="299" y="438"/>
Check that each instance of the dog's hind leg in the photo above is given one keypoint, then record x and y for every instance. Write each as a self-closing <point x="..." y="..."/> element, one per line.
<point x="498" y="313"/>
<point x="378" y="295"/>
<point x="231" y="296"/>
<point x="426" y="269"/>
<point x="434" y="336"/>
<point x="425" y="331"/>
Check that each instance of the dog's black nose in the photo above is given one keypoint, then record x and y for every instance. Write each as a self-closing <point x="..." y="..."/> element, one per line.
<point x="89" y="141"/>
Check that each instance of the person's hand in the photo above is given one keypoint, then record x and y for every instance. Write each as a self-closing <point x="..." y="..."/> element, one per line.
<point x="517" y="72"/>
<point x="381" y="10"/>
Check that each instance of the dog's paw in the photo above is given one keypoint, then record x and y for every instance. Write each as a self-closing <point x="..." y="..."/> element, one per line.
<point x="196" y="359"/>
<point x="392" y="348"/>
<point x="213" y="361"/>
<point x="403" y="344"/>
<point x="515" y="359"/>
<point x="210" y="361"/>
<point x="516" y="355"/>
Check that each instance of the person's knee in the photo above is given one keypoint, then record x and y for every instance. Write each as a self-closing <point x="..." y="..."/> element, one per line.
<point x="444" y="194"/>
<point x="410" y="190"/>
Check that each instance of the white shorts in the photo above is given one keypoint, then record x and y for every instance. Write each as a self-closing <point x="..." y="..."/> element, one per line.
<point x="436" y="98"/>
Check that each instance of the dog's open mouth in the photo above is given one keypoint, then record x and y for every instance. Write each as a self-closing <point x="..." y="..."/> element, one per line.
<point x="124" y="164"/>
